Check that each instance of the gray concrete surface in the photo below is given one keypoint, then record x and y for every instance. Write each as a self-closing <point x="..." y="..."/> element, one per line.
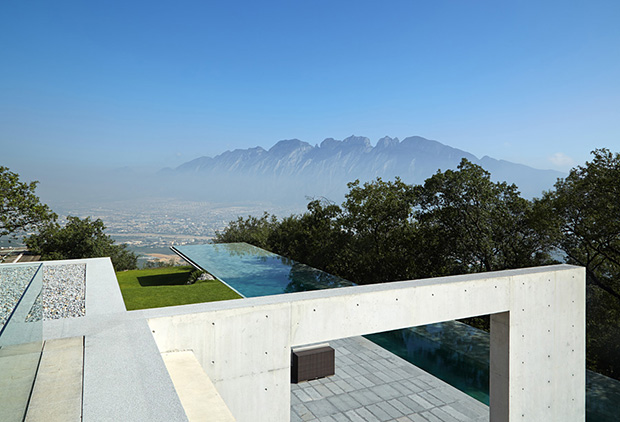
<point x="125" y="378"/>
<point x="57" y="392"/>
<point x="372" y="384"/>
<point x="537" y="348"/>
<point x="198" y="395"/>
<point x="537" y="358"/>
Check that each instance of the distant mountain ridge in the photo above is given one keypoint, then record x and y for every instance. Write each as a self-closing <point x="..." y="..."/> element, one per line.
<point x="324" y="170"/>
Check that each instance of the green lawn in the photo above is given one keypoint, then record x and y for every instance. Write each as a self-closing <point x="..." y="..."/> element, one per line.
<point x="158" y="287"/>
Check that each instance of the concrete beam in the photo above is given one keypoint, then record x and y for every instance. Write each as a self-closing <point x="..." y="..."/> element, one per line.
<point x="538" y="338"/>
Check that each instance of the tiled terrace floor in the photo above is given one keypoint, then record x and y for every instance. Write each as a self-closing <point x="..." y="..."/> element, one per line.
<point x="372" y="384"/>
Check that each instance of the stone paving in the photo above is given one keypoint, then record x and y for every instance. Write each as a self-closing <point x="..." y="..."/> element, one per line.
<point x="372" y="384"/>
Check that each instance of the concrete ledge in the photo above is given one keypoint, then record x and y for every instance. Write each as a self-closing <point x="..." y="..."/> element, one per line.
<point x="125" y="378"/>
<point x="198" y="395"/>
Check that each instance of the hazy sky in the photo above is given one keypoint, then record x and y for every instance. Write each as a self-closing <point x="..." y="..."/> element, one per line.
<point x="156" y="83"/>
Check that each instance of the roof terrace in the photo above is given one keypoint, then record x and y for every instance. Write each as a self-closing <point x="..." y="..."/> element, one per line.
<point x="242" y="350"/>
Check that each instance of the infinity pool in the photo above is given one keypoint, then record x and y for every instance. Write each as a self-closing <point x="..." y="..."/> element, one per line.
<point x="453" y="352"/>
<point x="252" y="271"/>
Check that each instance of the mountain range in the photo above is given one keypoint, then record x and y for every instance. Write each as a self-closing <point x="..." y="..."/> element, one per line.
<point x="296" y="168"/>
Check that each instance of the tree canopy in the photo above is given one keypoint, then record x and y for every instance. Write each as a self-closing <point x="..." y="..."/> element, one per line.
<point x="471" y="224"/>
<point x="586" y="207"/>
<point x="80" y="238"/>
<point x="585" y="211"/>
<point x="20" y="207"/>
<point x="459" y="221"/>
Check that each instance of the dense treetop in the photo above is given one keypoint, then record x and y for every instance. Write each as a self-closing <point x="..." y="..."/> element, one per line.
<point x="80" y="238"/>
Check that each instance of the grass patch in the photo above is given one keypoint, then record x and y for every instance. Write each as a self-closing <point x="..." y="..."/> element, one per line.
<point x="158" y="287"/>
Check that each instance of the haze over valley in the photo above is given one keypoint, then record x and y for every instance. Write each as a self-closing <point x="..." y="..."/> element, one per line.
<point x="152" y="209"/>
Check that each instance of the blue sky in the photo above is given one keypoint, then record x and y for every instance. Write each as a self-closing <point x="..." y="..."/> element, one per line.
<point x="144" y="83"/>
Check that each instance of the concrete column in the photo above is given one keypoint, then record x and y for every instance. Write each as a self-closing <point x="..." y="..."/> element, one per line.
<point x="538" y="350"/>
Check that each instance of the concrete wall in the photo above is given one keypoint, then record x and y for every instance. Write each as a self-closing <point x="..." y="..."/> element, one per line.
<point x="537" y="337"/>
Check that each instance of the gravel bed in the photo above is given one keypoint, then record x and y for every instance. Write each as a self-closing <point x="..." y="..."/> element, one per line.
<point x="63" y="294"/>
<point x="13" y="281"/>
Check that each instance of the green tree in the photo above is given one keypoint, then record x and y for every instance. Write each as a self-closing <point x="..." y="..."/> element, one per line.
<point x="377" y="217"/>
<point x="80" y="238"/>
<point x="586" y="208"/>
<point x="252" y="230"/>
<point x="20" y="208"/>
<point x="469" y="223"/>
<point x="313" y="238"/>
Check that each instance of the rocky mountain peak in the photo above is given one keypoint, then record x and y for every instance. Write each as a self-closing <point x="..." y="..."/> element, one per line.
<point x="287" y="146"/>
<point x="387" y="142"/>
<point x="325" y="169"/>
<point x="357" y="141"/>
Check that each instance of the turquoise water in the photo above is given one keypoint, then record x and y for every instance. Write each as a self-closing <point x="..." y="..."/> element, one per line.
<point x="253" y="271"/>
<point x="459" y="355"/>
<point x="453" y="352"/>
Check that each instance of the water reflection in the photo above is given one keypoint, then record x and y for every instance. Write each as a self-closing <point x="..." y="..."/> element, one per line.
<point x="303" y="278"/>
<point x="437" y="350"/>
<point x="252" y="271"/>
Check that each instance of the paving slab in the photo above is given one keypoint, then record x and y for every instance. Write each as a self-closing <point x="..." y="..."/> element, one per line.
<point x="372" y="384"/>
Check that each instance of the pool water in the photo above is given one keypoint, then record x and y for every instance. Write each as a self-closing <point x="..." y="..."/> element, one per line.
<point x="451" y="351"/>
<point x="252" y="271"/>
<point x="447" y="360"/>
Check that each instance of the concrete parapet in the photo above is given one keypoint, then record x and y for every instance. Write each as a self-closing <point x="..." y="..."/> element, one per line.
<point x="537" y="338"/>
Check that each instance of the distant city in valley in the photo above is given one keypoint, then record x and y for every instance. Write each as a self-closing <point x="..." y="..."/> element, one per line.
<point x="153" y="225"/>
<point x="153" y="211"/>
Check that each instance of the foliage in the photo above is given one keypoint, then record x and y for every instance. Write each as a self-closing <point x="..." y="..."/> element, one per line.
<point x="471" y="224"/>
<point x="20" y="208"/>
<point x="313" y="238"/>
<point x="79" y="238"/>
<point x="377" y="219"/>
<point x="586" y="211"/>
<point x="194" y="276"/>
<point x="154" y="288"/>
<point x="457" y="222"/>
<point x="252" y="230"/>
<point x="587" y="207"/>
<point x="602" y="332"/>
<point x="158" y="263"/>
